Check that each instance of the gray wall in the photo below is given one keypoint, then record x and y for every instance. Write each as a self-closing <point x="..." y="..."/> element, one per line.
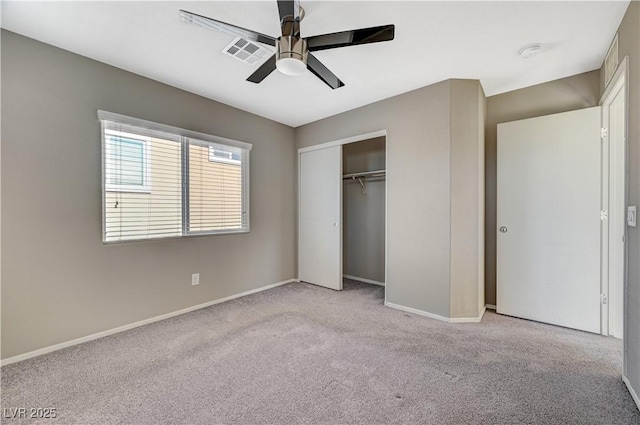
<point x="364" y="214"/>
<point x="419" y="186"/>
<point x="418" y="155"/>
<point x="58" y="281"/>
<point x="629" y="45"/>
<point x="467" y="198"/>
<point x="576" y="92"/>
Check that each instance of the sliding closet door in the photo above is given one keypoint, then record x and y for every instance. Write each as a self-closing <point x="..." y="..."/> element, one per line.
<point x="320" y="212"/>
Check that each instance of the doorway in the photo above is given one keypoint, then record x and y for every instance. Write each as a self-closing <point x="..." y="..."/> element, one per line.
<point x="543" y="269"/>
<point x="614" y="176"/>
<point x="337" y="181"/>
<point x="363" y="210"/>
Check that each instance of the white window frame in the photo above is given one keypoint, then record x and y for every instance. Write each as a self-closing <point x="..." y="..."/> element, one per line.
<point x="184" y="137"/>
<point x="110" y="164"/>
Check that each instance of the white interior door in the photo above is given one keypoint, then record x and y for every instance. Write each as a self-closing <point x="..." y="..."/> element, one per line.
<point x="548" y="216"/>
<point x="320" y="217"/>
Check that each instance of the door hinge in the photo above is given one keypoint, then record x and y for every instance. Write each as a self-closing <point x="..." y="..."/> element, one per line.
<point x="604" y="132"/>
<point x="603" y="298"/>
<point x="604" y="215"/>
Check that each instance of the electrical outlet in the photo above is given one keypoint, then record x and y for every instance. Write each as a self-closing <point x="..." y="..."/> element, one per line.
<point x="195" y="279"/>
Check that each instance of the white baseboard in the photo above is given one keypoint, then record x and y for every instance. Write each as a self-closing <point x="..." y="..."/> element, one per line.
<point x="491" y="306"/>
<point x="437" y="316"/>
<point x="416" y="311"/>
<point x="362" y="279"/>
<point x="119" y="329"/>
<point x="634" y="395"/>
<point x="477" y="319"/>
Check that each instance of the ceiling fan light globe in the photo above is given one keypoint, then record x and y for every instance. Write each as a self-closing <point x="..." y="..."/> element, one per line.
<point x="291" y="66"/>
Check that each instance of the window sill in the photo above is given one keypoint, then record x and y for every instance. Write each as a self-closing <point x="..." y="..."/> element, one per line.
<point x="168" y="238"/>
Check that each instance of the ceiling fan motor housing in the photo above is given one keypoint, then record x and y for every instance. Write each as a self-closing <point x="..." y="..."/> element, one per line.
<point x="291" y="47"/>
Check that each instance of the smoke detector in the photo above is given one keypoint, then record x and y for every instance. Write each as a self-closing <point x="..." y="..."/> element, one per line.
<point x="530" y="50"/>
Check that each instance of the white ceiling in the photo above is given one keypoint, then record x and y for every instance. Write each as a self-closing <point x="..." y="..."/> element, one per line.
<point x="434" y="41"/>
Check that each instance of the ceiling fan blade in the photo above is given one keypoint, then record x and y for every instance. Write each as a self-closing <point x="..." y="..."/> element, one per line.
<point x="265" y="69"/>
<point x="223" y="27"/>
<point x="321" y="71"/>
<point x="351" y="38"/>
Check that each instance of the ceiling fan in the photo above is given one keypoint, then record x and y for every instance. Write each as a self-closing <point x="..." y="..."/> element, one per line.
<point x="293" y="54"/>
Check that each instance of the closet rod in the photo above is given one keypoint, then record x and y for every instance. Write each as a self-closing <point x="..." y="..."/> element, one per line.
<point x="364" y="174"/>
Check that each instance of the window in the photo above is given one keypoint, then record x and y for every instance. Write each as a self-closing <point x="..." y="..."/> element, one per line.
<point x="126" y="162"/>
<point x="161" y="181"/>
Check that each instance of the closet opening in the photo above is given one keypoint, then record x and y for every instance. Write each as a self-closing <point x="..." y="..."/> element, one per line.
<point x="363" y="212"/>
<point x="342" y="214"/>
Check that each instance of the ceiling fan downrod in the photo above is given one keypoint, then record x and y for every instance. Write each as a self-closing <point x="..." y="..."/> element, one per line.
<point x="292" y="51"/>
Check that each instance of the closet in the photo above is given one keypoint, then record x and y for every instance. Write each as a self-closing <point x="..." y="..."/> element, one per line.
<point x="341" y="211"/>
<point x="363" y="210"/>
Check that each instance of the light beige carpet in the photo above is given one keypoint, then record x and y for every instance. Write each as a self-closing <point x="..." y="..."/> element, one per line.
<point x="301" y="354"/>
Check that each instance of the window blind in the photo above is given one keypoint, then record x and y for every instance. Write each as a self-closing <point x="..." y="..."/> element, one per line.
<point x="161" y="181"/>
<point x="215" y="187"/>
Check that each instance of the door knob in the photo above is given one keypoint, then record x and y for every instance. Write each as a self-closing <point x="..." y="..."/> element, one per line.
<point x="504" y="229"/>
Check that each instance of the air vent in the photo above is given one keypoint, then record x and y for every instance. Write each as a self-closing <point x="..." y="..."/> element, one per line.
<point x="245" y="51"/>
<point x="611" y="61"/>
